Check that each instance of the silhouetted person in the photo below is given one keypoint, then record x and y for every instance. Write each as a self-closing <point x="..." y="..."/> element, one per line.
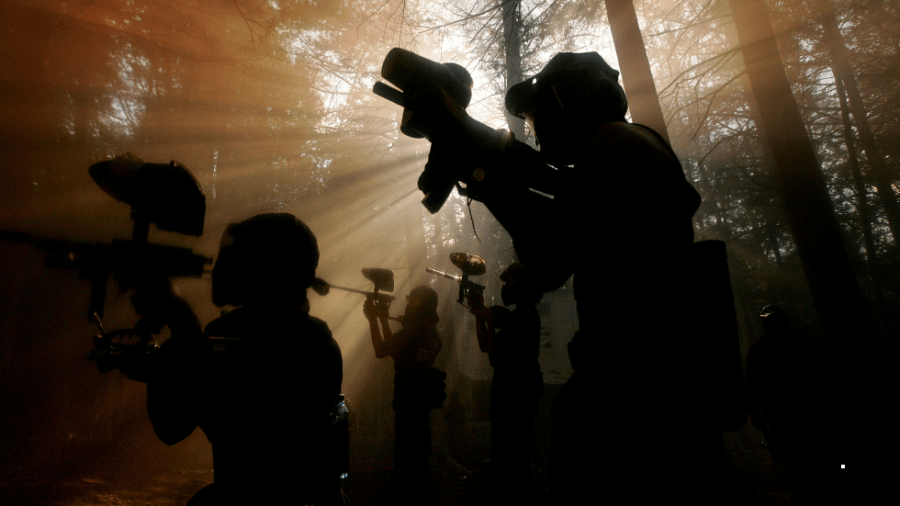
<point x="620" y="222"/>
<point x="263" y="382"/>
<point x="418" y="385"/>
<point x="786" y="402"/>
<point x="517" y="384"/>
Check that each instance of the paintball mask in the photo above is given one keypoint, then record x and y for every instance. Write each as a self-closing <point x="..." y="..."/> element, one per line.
<point x="578" y="82"/>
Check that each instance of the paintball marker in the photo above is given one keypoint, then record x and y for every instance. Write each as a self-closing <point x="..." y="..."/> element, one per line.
<point x="434" y="98"/>
<point x="470" y="265"/>
<point x="164" y="194"/>
<point x="383" y="279"/>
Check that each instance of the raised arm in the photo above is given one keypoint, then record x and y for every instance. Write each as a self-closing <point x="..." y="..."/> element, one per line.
<point x="175" y="384"/>
<point x="484" y="322"/>
<point x="376" y="310"/>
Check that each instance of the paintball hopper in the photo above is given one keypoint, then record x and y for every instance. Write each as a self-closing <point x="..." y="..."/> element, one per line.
<point x="382" y="278"/>
<point x="165" y="194"/>
<point x="470" y="265"/>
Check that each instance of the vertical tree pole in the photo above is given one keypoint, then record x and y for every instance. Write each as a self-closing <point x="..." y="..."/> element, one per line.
<point x="861" y="373"/>
<point x="878" y="171"/>
<point x="512" y="46"/>
<point x="635" y="67"/>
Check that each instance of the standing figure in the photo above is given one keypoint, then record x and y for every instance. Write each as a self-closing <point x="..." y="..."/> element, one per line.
<point x="517" y="384"/>
<point x="418" y="385"/>
<point x="619" y="220"/>
<point x="786" y="403"/>
<point x="263" y="382"/>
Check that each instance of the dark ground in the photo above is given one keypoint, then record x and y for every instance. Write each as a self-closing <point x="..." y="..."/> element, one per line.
<point x="133" y="468"/>
<point x="370" y="484"/>
<point x="119" y="473"/>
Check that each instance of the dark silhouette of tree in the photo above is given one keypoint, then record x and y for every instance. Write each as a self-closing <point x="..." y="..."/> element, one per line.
<point x="839" y="300"/>
<point x="637" y="77"/>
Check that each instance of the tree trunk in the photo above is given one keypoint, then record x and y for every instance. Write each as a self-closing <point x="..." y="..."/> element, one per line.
<point x="865" y="216"/>
<point x="512" y="44"/>
<point x="635" y="67"/>
<point x="835" y="291"/>
<point x="874" y="157"/>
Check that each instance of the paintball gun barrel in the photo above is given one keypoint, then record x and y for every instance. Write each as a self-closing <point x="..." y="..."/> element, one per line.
<point x="383" y="279"/>
<point x="471" y="284"/>
<point x="128" y="262"/>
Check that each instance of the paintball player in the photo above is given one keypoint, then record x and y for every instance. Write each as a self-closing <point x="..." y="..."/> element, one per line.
<point x="619" y="220"/>
<point x="263" y="382"/>
<point x="517" y="384"/>
<point x="418" y="385"/>
<point x="787" y="403"/>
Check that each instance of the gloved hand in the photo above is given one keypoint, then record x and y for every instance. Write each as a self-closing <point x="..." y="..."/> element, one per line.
<point x="375" y="307"/>
<point x="156" y="299"/>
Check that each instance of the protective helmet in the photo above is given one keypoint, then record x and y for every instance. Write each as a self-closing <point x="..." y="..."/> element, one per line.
<point x="518" y="288"/>
<point x="423" y="305"/>
<point x="774" y="319"/>
<point x="463" y="76"/>
<point x="267" y="256"/>
<point x="580" y="82"/>
<point x="513" y="271"/>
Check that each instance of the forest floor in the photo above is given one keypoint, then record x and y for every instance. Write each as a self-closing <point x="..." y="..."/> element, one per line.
<point x="136" y="469"/>
<point x="120" y="481"/>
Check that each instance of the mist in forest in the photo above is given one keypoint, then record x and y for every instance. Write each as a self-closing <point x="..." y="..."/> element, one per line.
<point x="269" y="104"/>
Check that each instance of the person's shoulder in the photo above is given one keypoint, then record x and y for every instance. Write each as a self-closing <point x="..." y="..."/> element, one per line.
<point x="614" y="131"/>
<point x="319" y="325"/>
<point x="315" y="329"/>
<point x="230" y="324"/>
<point x="627" y="142"/>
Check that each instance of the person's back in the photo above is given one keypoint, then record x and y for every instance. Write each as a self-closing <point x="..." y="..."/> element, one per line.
<point x="418" y="385"/>
<point x="517" y="384"/>
<point x="517" y="343"/>
<point x="788" y="402"/>
<point x="621" y="215"/>
<point x="414" y="365"/>
<point x="263" y="381"/>
<point x="619" y="221"/>
<point x="273" y="386"/>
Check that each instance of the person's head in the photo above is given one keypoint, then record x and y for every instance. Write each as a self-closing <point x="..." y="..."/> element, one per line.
<point x="773" y="318"/>
<point x="265" y="259"/>
<point x="564" y="102"/>
<point x="421" y="306"/>
<point x="517" y="287"/>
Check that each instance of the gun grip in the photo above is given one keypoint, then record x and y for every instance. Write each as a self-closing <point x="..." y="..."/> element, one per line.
<point x="462" y="288"/>
<point x="436" y="182"/>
